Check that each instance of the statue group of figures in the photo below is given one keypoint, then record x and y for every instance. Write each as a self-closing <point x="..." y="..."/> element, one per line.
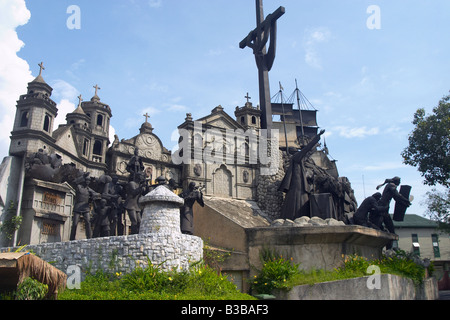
<point x="374" y="210"/>
<point x="103" y="202"/>
<point x="112" y="200"/>
<point x="304" y="179"/>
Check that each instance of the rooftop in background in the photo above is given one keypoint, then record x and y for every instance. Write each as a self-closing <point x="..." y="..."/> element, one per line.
<point x="415" y="221"/>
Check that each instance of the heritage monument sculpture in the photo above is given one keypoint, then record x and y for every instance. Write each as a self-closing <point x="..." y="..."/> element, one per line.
<point x="370" y="204"/>
<point x="133" y="192"/>
<point x="382" y="217"/>
<point x="84" y="195"/>
<point x="296" y="185"/>
<point x="190" y="196"/>
<point x="135" y="166"/>
<point x="113" y="194"/>
<point x="257" y="40"/>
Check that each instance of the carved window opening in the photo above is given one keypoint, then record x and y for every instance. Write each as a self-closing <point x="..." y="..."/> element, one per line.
<point x="24" y="119"/>
<point x="47" y="123"/>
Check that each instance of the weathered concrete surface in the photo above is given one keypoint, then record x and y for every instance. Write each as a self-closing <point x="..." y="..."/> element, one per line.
<point x="319" y="247"/>
<point x="391" y="287"/>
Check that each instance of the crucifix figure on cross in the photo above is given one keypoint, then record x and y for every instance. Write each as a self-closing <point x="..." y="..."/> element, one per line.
<point x="257" y="40"/>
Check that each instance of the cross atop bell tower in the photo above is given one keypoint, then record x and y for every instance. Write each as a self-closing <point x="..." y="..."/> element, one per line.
<point x="257" y="40"/>
<point x="41" y="66"/>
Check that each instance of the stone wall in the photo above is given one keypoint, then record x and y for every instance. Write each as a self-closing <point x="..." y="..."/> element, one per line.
<point x="122" y="253"/>
<point x="269" y="199"/>
<point x="159" y="241"/>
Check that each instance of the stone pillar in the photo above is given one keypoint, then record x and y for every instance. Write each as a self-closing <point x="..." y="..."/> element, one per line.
<point x="161" y="212"/>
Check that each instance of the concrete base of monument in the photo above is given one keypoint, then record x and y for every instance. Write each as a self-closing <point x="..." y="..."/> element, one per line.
<point x="320" y="247"/>
<point x="235" y="230"/>
<point x="387" y="287"/>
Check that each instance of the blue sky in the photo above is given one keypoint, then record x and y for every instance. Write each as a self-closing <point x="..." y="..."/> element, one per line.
<point x="170" y="57"/>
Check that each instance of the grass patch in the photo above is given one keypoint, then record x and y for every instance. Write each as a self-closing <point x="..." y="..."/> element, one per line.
<point x="280" y="273"/>
<point x="200" y="282"/>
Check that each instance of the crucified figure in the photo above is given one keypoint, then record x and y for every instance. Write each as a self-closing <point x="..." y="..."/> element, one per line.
<point x="257" y="40"/>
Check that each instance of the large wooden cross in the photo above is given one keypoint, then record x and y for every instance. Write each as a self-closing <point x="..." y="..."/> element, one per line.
<point x="257" y="40"/>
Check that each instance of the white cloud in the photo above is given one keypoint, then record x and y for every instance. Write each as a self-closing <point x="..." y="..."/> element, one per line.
<point x="74" y="67"/>
<point x="67" y="96"/>
<point x="64" y="107"/>
<point x="314" y="37"/>
<point x="358" y="132"/>
<point x="155" y="3"/>
<point x="64" y="90"/>
<point x="383" y="166"/>
<point x="177" y="107"/>
<point x="14" y="72"/>
<point x="214" y="52"/>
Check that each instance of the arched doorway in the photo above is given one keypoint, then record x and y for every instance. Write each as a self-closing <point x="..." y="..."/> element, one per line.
<point x="222" y="182"/>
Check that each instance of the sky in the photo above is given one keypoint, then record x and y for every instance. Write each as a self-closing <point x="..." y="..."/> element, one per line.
<point x="366" y="66"/>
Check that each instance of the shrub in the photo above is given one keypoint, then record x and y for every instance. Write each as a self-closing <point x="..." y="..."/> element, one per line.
<point x="152" y="283"/>
<point x="275" y="272"/>
<point x="31" y="289"/>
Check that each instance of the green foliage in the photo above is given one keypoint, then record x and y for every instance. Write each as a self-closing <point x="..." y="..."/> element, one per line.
<point x="429" y="144"/>
<point x="398" y="262"/>
<point x="152" y="283"/>
<point x="275" y="272"/>
<point x="31" y="289"/>
<point x="438" y="205"/>
<point x="279" y="273"/>
<point x="11" y="223"/>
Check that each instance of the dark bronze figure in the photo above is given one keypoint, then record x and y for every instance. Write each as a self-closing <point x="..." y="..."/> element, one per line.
<point x="190" y="196"/>
<point x="370" y="204"/>
<point x="382" y="217"/>
<point x="133" y="191"/>
<point x="135" y="166"/>
<point x="295" y="184"/>
<point x="113" y="194"/>
<point x="257" y="40"/>
<point x="84" y="195"/>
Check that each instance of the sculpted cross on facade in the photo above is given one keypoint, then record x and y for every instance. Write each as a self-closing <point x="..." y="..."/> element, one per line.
<point x="257" y="40"/>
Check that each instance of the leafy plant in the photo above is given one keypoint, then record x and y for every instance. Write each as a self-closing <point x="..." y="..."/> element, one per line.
<point x="275" y="272"/>
<point x="11" y="223"/>
<point x="397" y="262"/>
<point x="153" y="283"/>
<point x="31" y="289"/>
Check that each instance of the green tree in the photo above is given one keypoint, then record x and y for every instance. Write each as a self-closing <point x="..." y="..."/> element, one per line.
<point x="429" y="151"/>
<point x="429" y="144"/>
<point x="438" y="204"/>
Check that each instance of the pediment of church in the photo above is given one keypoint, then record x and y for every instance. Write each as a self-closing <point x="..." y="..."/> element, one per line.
<point x="149" y="145"/>
<point x="220" y="119"/>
